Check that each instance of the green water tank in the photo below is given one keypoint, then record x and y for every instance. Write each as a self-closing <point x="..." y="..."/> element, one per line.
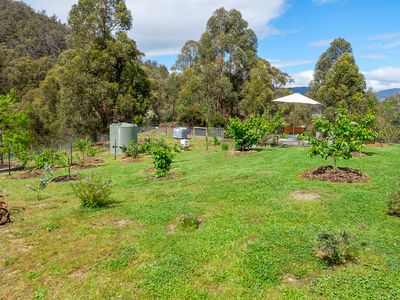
<point x="121" y="134"/>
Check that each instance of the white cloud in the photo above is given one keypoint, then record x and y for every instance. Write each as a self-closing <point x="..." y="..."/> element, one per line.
<point x="383" y="78"/>
<point x="325" y="1"/>
<point x="386" y="36"/>
<point x="161" y="27"/>
<point x="288" y="63"/>
<point x="302" y="78"/>
<point x="372" y="56"/>
<point x="320" y="43"/>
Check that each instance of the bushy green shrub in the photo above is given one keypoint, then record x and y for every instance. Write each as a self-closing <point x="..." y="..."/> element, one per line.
<point x="340" y="137"/>
<point x="189" y="221"/>
<point x="132" y="150"/>
<point x="335" y="249"/>
<point x="247" y="133"/>
<point x="50" y="158"/>
<point x="93" y="192"/>
<point x="162" y="160"/>
<point x="93" y="151"/>
<point x="224" y="146"/>
<point x="394" y="204"/>
<point x="83" y="145"/>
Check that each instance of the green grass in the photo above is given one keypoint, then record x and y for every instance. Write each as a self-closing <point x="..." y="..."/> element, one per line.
<point x="251" y="234"/>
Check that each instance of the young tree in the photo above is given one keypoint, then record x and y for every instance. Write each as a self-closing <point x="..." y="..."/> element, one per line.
<point x="340" y="137"/>
<point x="14" y="136"/>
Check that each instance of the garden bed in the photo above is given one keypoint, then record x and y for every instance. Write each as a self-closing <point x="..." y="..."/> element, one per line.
<point x="66" y="178"/>
<point x="29" y="174"/>
<point x="331" y="174"/>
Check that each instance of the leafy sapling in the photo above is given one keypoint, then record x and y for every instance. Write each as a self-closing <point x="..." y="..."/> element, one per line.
<point x="162" y="160"/>
<point x="44" y="181"/>
<point x="340" y="137"/>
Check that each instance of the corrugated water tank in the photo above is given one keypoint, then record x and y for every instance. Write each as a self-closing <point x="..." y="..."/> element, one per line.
<point x="180" y="133"/>
<point x="121" y="134"/>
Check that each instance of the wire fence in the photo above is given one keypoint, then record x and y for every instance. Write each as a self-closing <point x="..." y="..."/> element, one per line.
<point x="9" y="161"/>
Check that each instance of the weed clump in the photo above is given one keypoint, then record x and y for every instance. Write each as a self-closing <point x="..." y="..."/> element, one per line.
<point x="93" y="192"/>
<point x="335" y="249"/>
<point x="394" y="204"/>
<point x="189" y="222"/>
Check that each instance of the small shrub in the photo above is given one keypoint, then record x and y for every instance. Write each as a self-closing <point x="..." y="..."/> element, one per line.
<point x="50" y="158"/>
<point x="335" y="249"/>
<point x="224" y="146"/>
<point x="83" y="145"/>
<point x="44" y="181"/>
<point x="249" y="132"/>
<point x="146" y="147"/>
<point x="93" y="192"/>
<point x="189" y="221"/>
<point x="132" y="150"/>
<point x="162" y="160"/>
<point x="394" y="204"/>
<point x="93" y="151"/>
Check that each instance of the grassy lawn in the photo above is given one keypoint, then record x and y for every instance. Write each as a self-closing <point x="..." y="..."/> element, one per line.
<point x="252" y="238"/>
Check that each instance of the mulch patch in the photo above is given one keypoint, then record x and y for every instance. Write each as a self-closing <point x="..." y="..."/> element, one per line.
<point x="331" y="174"/>
<point x="25" y="175"/>
<point x="168" y="177"/>
<point x="235" y="153"/>
<point x="130" y="160"/>
<point x="66" y="178"/>
<point x="84" y="167"/>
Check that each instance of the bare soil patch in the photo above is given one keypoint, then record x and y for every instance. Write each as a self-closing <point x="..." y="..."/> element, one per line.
<point x="66" y="178"/>
<point x="30" y="174"/>
<point x="235" y="153"/>
<point x="379" y="145"/>
<point x="360" y="154"/>
<point x="128" y="160"/>
<point x="331" y="174"/>
<point x="304" y="196"/>
<point x="84" y="167"/>
<point x="171" y="228"/>
<point x="122" y="223"/>
<point x="290" y="279"/>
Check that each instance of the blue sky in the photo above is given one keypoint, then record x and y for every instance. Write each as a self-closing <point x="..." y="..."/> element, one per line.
<point x="292" y="33"/>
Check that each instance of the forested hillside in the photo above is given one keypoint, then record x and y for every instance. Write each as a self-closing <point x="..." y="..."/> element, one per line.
<point x="30" y="43"/>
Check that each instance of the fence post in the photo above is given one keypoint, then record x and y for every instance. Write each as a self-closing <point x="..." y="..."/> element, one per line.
<point x="70" y="154"/>
<point x="9" y="161"/>
<point x="115" y="150"/>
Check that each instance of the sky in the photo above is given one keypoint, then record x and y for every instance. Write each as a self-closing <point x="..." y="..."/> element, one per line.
<point x="292" y="34"/>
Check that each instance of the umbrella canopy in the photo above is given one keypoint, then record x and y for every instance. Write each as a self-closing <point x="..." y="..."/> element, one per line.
<point x="297" y="98"/>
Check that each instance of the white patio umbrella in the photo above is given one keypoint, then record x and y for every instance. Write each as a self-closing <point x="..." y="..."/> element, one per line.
<point x="297" y="98"/>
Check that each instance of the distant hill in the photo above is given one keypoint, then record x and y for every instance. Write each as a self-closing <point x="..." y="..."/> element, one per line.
<point x="300" y="89"/>
<point x="382" y="95"/>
